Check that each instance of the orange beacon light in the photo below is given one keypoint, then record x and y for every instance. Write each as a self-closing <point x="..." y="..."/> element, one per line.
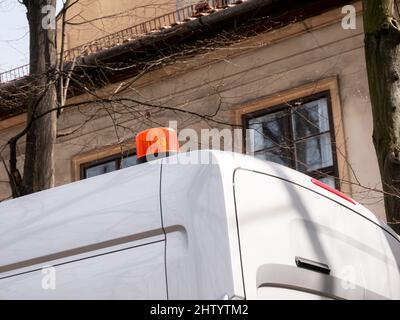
<point x="156" y="143"/>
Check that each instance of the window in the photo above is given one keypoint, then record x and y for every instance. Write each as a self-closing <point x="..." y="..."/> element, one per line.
<point x="109" y="164"/>
<point x="298" y="134"/>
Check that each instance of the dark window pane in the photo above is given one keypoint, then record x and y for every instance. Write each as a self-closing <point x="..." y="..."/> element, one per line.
<point x="101" y="169"/>
<point x="297" y="136"/>
<point x="129" y="161"/>
<point x="314" y="153"/>
<point x="267" y="131"/>
<point x="310" y="119"/>
<point x="276" y="155"/>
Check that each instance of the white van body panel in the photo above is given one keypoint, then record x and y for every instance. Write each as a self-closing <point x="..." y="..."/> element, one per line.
<point x="198" y="256"/>
<point x="232" y="227"/>
<point x="81" y="214"/>
<point x="301" y="223"/>
<point x="123" y="273"/>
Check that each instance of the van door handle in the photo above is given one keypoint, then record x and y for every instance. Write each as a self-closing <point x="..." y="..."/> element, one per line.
<point x="312" y="265"/>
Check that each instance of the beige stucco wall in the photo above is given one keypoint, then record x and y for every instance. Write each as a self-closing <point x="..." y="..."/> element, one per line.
<point x="92" y="19"/>
<point x="253" y="70"/>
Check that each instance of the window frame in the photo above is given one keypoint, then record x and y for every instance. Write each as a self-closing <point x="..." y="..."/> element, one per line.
<point x="287" y="107"/>
<point x="117" y="157"/>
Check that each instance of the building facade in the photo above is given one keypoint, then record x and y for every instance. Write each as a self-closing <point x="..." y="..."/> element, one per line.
<point x="299" y="91"/>
<point x="87" y="20"/>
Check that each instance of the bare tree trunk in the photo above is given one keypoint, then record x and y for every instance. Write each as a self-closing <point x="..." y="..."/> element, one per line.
<point x="41" y="136"/>
<point x="382" y="49"/>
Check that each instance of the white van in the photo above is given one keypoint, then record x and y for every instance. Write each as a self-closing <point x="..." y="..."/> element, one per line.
<point x="236" y="228"/>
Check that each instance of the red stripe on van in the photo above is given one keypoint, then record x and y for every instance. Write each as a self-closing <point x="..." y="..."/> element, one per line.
<point x="330" y="189"/>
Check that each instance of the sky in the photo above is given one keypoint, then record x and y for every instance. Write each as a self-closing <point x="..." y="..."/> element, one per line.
<point x="14" y="37"/>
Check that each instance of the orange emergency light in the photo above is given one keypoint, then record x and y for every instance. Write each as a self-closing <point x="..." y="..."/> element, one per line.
<point x="156" y="143"/>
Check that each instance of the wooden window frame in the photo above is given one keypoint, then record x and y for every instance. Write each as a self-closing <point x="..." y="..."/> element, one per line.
<point x="286" y="107"/>
<point x="328" y="85"/>
<point x="115" y="157"/>
<point x="98" y="156"/>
